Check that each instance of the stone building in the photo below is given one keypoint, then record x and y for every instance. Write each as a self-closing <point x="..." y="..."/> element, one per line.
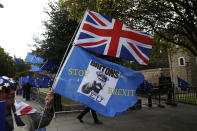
<point x="184" y="65"/>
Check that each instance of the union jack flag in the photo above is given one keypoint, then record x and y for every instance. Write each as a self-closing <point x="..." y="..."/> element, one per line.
<point x="23" y="108"/>
<point x="104" y="35"/>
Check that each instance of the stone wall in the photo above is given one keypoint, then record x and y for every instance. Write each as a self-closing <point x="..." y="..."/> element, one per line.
<point x="152" y="75"/>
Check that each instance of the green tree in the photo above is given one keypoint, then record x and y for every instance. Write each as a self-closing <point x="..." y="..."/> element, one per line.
<point x="173" y="21"/>
<point x="7" y="64"/>
<point x="114" y="8"/>
<point x="57" y="35"/>
<point x="10" y="69"/>
<point x="22" y="70"/>
<point x="59" y="31"/>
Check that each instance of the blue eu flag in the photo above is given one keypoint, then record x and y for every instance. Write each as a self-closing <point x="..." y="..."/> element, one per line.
<point x="16" y="60"/>
<point x="50" y="65"/>
<point x="47" y="82"/>
<point x="23" y="80"/>
<point x="145" y="87"/>
<point x="182" y="84"/>
<point x="44" y="81"/>
<point x="35" y="68"/>
<point x="31" y="58"/>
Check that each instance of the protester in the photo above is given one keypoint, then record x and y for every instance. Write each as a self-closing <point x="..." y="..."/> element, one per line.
<point x="18" y="89"/>
<point x="87" y="109"/>
<point x="27" y="88"/>
<point x="24" y="90"/>
<point x="28" y="122"/>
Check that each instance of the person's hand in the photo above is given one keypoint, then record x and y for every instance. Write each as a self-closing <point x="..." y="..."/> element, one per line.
<point x="49" y="99"/>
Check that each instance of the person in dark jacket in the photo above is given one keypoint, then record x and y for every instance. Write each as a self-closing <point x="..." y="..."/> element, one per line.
<point x="23" y="90"/>
<point x="27" y="88"/>
<point x="94" y="115"/>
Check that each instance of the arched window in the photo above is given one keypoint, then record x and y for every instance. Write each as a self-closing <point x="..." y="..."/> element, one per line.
<point x="181" y="61"/>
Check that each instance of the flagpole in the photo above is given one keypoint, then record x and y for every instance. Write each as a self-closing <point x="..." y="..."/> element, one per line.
<point x="67" y="51"/>
<point x="60" y="68"/>
<point x="172" y="94"/>
<point x="44" y="63"/>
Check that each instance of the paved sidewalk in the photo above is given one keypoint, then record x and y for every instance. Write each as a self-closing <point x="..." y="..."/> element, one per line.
<point x="180" y="118"/>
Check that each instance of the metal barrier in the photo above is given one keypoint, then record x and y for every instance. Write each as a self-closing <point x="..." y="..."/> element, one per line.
<point x="155" y="97"/>
<point x="188" y="96"/>
<point x="60" y="106"/>
<point x="38" y="96"/>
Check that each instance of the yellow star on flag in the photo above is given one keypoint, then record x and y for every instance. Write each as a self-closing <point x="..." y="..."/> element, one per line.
<point x="6" y="84"/>
<point x="12" y="81"/>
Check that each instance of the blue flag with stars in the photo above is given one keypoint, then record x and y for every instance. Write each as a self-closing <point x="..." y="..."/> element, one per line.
<point x="145" y="87"/>
<point x="44" y="81"/>
<point x="35" y="68"/>
<point x="31" y="58"/>
<point x="47" y="82"/>
<point x="16" y="60"/>
<point x="50" y="65"/>
<point x="182" y="84"/>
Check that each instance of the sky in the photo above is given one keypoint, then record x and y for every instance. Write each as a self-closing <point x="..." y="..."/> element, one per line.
<point x="20" y="21"/>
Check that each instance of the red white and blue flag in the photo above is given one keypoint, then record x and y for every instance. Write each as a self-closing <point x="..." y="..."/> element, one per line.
<point x="23" y="108"/>
<point x="103" y="35"/>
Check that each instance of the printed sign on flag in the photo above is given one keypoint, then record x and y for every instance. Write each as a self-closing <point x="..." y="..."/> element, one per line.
<point x="97" y="80"/>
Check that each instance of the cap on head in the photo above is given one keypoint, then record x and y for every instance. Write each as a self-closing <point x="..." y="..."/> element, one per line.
<point x="102" y="76"/>
<point x="6" y="82"/>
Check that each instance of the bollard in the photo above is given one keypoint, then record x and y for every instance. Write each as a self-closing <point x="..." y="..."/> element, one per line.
<point x="149" y="101"/>
<point x="169" y="99"/>
<point x="139" y="104"/>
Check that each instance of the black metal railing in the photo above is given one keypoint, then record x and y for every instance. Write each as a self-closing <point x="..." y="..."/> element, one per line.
<point x="186" y="96"/>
